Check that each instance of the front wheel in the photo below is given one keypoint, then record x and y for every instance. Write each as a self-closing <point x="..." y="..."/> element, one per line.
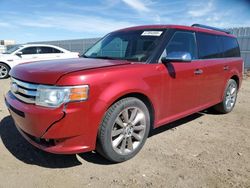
<point x="124" y="130"/>
<point x="4" y="71"/>
<point x="229" y="100"/>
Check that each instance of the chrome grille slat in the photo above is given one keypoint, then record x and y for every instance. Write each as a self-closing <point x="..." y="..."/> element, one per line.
<point x="24" y="99"/>
<point x="27" y="92"/>
<point x="25" y="84"/>
<point x="24" y="91"/>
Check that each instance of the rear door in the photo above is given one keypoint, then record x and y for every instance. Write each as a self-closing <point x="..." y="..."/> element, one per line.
<point x="181" y="84"/>
<point x="49" y="53"/>
<point x="214" y="68"/>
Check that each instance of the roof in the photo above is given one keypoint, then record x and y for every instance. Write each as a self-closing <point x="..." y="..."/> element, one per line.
<point x="181" y="27"/>
<point x="46" y="45"/>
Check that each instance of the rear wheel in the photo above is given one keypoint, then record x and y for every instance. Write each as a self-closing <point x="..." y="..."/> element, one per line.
<point x="124" y="130"/>
<point x="229" y="100"/>
<point x="4" y="71"/>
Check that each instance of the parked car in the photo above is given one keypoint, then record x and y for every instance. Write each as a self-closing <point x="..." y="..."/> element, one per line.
<point x="31" y="52"/>
<point x="131" y="81"/>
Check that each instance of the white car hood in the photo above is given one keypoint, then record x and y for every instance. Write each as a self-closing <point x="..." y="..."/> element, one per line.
<point x="5" y="56"/>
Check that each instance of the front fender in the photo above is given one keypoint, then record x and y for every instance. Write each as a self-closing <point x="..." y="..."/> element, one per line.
<point x="10" y="64"/>
<point x="118" y="89"/>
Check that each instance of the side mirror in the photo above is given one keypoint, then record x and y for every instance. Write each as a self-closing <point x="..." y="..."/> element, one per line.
<point x="177" y="57"/>
<point x="19" y="53"/>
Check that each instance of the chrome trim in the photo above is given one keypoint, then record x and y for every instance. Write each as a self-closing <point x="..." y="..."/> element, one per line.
<point x="27" y="92"/>
<point x="25" y="84"/>
<point x="24" y="99"/>
<point x="24" y="91"/>
<point x="179" y="56"/>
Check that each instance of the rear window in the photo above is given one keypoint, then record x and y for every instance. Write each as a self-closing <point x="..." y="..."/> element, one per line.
<point x="214" y="46"/>
<point x="208" y="45"/>
<point x="230" y="47"/>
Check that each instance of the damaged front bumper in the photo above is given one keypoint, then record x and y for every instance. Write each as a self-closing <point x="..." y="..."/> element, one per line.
<point x="62" y="130"/>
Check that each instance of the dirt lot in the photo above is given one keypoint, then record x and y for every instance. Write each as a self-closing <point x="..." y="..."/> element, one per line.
<point x="202" y="150"/>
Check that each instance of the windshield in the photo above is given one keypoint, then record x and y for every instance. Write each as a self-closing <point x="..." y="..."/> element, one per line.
<point x="12" y="49"/>
<point x="135" y="45"/>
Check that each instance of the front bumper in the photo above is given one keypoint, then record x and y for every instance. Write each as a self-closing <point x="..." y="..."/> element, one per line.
<point x="63" y="130"/>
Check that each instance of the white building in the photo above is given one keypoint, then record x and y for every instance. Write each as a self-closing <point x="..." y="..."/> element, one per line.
<point x="5" y="43"/>
<point x="2" y="48"/>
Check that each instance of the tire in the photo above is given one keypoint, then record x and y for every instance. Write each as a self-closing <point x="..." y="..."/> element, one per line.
<point x="124" y="130"/>
<point x="4" y="71"/>
<point x="229" y="98"/>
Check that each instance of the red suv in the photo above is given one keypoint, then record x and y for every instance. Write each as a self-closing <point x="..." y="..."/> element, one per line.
<point x="130" y="81"/>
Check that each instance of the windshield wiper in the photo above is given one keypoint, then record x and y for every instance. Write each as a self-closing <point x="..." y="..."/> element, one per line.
<point x="98" y="57"/>
<point x="85" y="56"/>
<point x="104" y="57"/>
<point x="131" y="59"/>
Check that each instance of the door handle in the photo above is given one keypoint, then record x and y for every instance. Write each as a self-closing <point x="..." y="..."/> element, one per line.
<point x="198" y="71"/>
<point x="226" y="67"/>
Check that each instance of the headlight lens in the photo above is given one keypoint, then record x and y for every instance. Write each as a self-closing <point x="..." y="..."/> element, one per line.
<point x="50" y="96"/>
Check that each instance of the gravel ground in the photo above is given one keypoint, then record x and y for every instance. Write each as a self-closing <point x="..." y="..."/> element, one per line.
<point x="202" y="150"/>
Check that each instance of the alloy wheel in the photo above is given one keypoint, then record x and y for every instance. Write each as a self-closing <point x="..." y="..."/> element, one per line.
<point x="3" y="71"/>
<point x="128" y="130"/>
<point x="231" y="95"/>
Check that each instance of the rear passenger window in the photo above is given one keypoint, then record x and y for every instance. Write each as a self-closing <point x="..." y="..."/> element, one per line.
<point x="182" y="42"/>
<point x="230" y="47"/>
<point x="208" y="46"/>
<point x="48" y="50"/>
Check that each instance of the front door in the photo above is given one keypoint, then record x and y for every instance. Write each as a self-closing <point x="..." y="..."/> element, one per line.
<point x="181" y="81"/>
<point x="29" y="54"/>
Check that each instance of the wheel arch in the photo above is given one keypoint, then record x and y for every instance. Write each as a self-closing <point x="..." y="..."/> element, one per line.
<point x="237" y="79"/>
<point x="5" y="64"/>
<point x="145" y="99"/>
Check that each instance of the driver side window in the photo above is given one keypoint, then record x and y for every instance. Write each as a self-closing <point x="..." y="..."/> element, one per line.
<point x="182" y="41"/>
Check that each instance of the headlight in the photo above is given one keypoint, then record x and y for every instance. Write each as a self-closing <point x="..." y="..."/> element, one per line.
<point x="50" y="96"/>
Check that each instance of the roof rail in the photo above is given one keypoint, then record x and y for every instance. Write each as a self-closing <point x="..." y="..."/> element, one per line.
<point x="211" y="28"/>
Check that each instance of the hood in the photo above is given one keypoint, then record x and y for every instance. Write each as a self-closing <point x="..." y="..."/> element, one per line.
<point x="5" y="55"/>
<point x="48" y="72"/>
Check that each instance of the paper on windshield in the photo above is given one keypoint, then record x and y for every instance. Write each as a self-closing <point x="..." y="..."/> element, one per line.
<point x="151" y="33"/>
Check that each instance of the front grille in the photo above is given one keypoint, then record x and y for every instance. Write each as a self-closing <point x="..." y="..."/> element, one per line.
<point x="24" y="91"/>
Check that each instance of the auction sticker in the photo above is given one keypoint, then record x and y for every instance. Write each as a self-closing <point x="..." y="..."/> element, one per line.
<point x="151" y="33"/>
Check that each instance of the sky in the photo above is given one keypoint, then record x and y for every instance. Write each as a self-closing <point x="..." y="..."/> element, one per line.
<point x="33" y="20"/>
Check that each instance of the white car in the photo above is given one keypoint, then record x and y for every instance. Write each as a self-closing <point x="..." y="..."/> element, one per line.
<point x="29" y="53"/>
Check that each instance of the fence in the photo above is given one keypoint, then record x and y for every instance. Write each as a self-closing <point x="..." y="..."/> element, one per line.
<point x="243" y="36"/>
<point x="76" y="45"/>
